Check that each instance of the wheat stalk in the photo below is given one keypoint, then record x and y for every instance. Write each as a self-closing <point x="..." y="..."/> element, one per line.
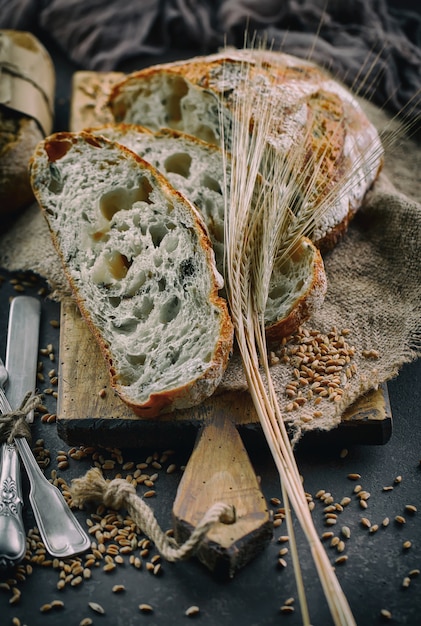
<point x="260" y="231"/>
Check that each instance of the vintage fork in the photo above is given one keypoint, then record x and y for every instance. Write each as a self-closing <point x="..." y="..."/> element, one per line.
<point x="12" y="530"/>
<point x="59" y="529"/>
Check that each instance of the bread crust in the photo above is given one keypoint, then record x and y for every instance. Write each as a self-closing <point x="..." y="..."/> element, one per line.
<point x="342" y="143"/>
<point x="194" y="390"/>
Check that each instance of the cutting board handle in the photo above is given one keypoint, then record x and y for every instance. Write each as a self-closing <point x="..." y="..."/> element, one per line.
<point x="219" y="470"/>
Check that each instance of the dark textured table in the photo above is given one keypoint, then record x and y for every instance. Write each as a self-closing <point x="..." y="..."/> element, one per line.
<point x="372" y="577"/>
<point x="380" y="573"/>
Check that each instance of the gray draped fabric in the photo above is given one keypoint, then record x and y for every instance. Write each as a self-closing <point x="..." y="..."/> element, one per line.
<point x="366" y="43"/>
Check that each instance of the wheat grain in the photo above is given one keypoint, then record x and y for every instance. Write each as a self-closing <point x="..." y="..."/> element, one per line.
<point x="98" y="608"/>
<point x="192" y="611"/>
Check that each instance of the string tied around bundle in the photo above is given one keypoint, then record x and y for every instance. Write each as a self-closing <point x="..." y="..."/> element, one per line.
<point x="14" y="423"/>
<point x="118" y="494"/>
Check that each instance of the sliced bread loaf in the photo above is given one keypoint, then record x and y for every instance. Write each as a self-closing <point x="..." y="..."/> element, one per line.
<point x="318" y="126"/>
<point x="196" y="169"/>
<point x="141" y="268"/>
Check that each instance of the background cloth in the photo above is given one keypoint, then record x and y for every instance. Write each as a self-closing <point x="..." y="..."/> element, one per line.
<point x="367" y="44"/>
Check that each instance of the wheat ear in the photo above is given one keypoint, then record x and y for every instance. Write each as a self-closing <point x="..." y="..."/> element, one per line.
<point x="257" y="221"/>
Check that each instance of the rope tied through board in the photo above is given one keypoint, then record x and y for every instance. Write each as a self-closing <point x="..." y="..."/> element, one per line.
<point x="117" y="494"/>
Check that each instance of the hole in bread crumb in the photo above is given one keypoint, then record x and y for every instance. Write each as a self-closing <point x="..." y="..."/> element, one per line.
<point x="110" y="267"/>
<point x="125" y="326"/>
<point x="179" y="163"/>
<point x="114" y="301"/>
<point x="162" y="283"/>
<point x="119" y="265"/>
<point x="144" y="310"/>
<point x="169" y="310"/>
<point x="208" y="357"/>
<point x="122" y="199"/>
<point x="157" y="232"/>
<point x="136" y="359"/>
<point x="56" y="182"/>
<point x="211" y="183"/>
<point x="173" y="98"/>
<point x="206" y="133"/>
<point x="279" y="294"/>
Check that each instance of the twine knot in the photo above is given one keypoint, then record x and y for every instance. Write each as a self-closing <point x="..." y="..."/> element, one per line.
<point x="118" y="494"/>
<point x="14" y="424"/>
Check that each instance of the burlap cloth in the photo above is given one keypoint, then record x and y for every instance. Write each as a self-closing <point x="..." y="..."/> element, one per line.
<point x="374" y="283"/>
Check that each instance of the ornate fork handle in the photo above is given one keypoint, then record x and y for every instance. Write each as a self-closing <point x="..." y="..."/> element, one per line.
<point x="60" y="531"/>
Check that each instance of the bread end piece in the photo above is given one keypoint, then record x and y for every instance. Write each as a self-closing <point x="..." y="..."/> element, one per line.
<point x="303" y="278"/>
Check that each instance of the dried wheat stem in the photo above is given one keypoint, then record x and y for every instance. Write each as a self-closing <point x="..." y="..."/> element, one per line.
<point x="258" y="226"/>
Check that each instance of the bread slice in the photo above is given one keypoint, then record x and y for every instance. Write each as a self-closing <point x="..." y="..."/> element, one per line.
<point x="141" y="268"/>
<point x="319" y="127"/>
<point x="196" y="169"/>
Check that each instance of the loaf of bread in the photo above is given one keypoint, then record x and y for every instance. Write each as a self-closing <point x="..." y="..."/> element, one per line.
<point x="196" y="169"/>
<point x="26" y="113"/>
<point x="319" y="127"/>
<point x="19" y="136"/>
<point x="141" y="268"/>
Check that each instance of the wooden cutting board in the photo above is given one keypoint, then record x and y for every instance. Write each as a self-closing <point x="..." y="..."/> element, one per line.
<point x="84" y="416"/>
<point x="90" y="412"/>
<point x="219" y="468"/>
